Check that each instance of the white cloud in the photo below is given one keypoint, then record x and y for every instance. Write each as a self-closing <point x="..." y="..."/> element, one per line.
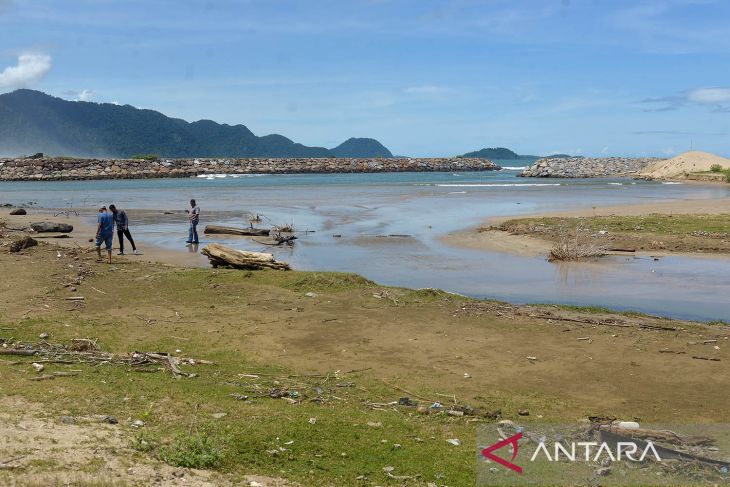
<point x="718" y="98"/>
<point x="31" y="68"/>
<point x="85" y="95"/>
<point x="709" y="96"/>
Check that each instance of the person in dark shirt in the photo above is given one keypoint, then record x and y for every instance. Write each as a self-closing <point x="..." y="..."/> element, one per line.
<point x="122" y="223"/>
<point x="104" y="233"/>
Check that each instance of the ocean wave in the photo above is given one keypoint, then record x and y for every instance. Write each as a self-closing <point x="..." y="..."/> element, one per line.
<point x="615" y="184"/>
<point x="671" y="182"/>
<point x="223" y="176"/>
<point x="513" y="168"/>
<point x="495" y="185"/>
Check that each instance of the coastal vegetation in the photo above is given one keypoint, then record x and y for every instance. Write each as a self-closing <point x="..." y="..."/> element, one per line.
<point x="32" y="121"/>
<point x="680" y="232"/>
<point x="146" y="157"/>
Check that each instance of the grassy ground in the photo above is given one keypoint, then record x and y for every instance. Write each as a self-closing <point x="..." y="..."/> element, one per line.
<point x="680" y="233"/>
<point x="341" y="344"/>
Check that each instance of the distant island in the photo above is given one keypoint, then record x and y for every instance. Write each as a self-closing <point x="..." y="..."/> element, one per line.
<point x="503" y="154"/>
<point x="32" y="121"/>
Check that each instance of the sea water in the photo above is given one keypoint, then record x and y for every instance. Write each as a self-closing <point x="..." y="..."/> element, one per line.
<point x="363" y="209"/>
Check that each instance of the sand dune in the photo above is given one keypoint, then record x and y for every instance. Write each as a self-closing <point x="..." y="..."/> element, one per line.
<point x="685" y="163"/>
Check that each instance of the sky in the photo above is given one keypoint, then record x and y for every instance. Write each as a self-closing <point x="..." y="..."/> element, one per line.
<point x="424" y="77"/>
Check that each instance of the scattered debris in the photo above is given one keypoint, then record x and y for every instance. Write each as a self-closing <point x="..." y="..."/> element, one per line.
<point x="82" y="350"/>
<point x="23" y="243"/>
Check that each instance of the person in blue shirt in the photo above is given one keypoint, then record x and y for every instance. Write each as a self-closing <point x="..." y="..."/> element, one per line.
<point x="104" y="233"/>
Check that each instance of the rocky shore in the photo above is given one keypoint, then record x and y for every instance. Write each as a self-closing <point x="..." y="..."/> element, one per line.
<point x="587" y="167"/>
<point x="72" y="168"/>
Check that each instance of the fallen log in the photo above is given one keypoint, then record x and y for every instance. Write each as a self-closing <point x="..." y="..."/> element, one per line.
<point x="221" y="230"/>
<point x="222" y="256"/>
<point x="51" y="227"/>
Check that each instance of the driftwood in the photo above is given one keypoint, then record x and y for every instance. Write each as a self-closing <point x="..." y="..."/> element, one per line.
<point x="83" y="350"/>
<point x="222" y="256"/>
<point x="279" y="240"/>
<point x="217" y="229"/>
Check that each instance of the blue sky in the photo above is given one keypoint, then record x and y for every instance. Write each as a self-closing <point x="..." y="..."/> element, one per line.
<point x="425" y="77"/>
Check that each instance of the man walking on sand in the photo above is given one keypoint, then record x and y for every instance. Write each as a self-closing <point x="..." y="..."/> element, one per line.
<point x="122" y="223"/>
<point x="194" y="219"/>
<point x="104" y="233"/>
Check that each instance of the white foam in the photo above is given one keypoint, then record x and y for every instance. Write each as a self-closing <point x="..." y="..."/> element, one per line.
<point x="670" y="182"/>
<point x="457" y="192"/>
<point x="615" y="184"/>
<point x="495" y="185"/>
<point x="513" y="168"/>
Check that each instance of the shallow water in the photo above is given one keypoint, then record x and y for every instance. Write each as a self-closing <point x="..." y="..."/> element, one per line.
<point x="363" y="207"/>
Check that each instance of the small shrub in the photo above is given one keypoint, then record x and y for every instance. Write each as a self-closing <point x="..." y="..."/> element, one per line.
<point x="727" y="176"/>
<point x="197" y="451"/>
<point x="716" y="168"/>
<point x="571" y="247"/>
<point x="146" y="157"/>
<point x="143" y="443"/>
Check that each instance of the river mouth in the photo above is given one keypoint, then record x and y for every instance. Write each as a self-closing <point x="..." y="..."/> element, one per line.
<point x="389" y="228"/>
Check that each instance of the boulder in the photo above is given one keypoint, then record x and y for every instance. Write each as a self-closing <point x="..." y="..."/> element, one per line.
<point x="51" y="227"/>
<point x="19" y="211"/>
<point x="23" y="243"/>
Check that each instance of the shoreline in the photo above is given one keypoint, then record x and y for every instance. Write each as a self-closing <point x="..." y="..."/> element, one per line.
<point x="83" y="232"/>
<point x="474" y="238"/>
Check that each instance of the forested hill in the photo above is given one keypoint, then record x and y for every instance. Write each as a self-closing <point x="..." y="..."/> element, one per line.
<point x="32" y="121"/>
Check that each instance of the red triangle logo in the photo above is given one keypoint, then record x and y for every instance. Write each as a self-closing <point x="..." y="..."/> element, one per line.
<point x="512" y="440"/>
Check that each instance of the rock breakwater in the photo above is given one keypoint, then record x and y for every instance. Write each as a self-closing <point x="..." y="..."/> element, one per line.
<point x="587" y="167"/>
<point x="72" y="168"/>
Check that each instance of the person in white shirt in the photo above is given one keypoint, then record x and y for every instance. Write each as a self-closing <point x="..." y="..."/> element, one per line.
<point x="194" y="213"/>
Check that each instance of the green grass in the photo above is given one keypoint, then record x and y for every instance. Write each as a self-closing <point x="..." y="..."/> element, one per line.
<point x="718" y="323"/>
<point x="254" y="435"/>
<point x="655" y="223"/>
<point x="197" y="451"/>
<point x="327" y="281"/>
<point x="146" y="157"/>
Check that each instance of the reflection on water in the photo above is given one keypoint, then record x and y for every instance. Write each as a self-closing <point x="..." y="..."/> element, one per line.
<point x="362" y="208"/>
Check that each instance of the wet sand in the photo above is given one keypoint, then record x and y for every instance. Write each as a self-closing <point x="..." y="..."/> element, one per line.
<point x="83" y="236"/>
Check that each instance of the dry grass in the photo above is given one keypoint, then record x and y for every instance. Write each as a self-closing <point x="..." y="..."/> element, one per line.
<point x="571" y="247"/>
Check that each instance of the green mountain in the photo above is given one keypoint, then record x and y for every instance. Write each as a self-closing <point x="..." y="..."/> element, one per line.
<point x="494" y="153"/>
<point x="354" y="146"/>
<point x="31" y="121"/>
